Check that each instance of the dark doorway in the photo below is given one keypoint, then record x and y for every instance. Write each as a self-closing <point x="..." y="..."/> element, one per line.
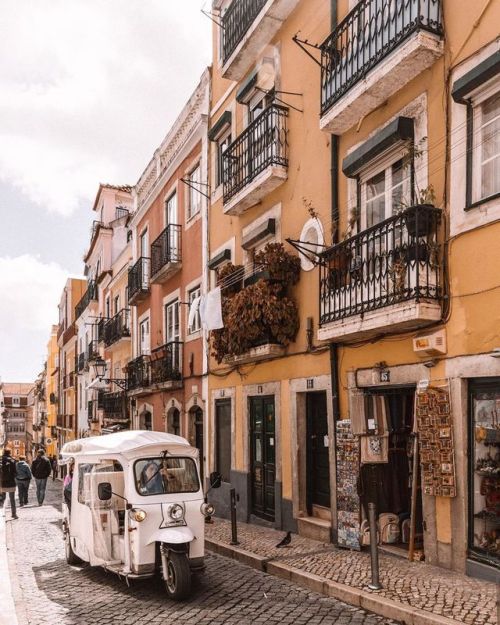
<point x="146" y="420"/>
<point x="263" y="455"/>
<point x="197" y="417"/>
<point x="223" y="440"/>
<point x="318" y="462"/>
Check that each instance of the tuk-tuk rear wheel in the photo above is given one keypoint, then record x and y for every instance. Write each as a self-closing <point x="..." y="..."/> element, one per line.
<point x="71" y="558"/>
<point x="178" y="578"/>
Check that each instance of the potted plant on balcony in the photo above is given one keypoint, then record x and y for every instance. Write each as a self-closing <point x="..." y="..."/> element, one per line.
<point x="231" y="278"/>
<point x="256" y="315"/>
<point x="278" y="266"/>
<point x="420" y="217"/>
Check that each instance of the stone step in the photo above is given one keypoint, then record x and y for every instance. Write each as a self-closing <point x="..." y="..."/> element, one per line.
<point x="315" y="528"/>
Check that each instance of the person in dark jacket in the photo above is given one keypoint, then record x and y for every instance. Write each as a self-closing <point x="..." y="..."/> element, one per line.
<point x="41" y="469"/>
<point x="55" y="467"/>
<point x="23" y="479"/>
<point x="8" y="481"/>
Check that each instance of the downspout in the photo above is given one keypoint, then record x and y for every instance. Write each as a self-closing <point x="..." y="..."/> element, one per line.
<point x="334" y="363"/>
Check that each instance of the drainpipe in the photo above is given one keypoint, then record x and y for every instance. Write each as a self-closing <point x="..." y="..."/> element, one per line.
<point x="334" y="364"/>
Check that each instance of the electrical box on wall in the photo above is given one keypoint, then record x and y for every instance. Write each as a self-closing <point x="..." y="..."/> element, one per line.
<point x="430" y="344"/>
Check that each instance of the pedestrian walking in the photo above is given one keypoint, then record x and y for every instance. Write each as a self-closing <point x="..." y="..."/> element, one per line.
<point x="8" y="481"/>
<point x="41" y="469"/>
<point x="55" y="467"/>
<point x="23" y="479"/>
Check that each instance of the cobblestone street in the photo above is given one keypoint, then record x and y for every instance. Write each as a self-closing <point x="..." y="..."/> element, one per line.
<point x="47" y="590"/>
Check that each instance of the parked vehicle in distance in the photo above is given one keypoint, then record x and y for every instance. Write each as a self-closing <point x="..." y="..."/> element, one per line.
<point x="137" y="507"/>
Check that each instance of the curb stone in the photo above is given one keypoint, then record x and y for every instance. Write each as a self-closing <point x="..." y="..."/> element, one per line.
<point x="8" y="614"/>
<point x="354" y="596"/>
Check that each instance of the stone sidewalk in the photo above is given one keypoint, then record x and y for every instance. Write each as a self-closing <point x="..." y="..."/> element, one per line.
<point x="413" y="592"/>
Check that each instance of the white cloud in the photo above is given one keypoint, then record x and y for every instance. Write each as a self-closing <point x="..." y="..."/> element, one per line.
<point x="29" y="293"/>
<point x="88" y="88"/>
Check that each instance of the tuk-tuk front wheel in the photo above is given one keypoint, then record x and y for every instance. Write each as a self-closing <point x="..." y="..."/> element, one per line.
<point x="177" y="577"/>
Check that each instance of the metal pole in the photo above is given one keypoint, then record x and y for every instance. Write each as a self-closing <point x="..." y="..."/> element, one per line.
<point x="372" y="517"/>
<point x="234" y="529"/>
<point x="414" y="494"/>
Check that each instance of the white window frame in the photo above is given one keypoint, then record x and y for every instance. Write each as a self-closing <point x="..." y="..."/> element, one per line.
<point x="16" y="401"/>
<point x="381" y="164"/>
<point x="225" y="136"/>
<point x="144" y="347"/>
<point x="193" y="293"/>
<point x="477" y="164"/>
<point x="173" y="304"/>
<point x="193" y="192"/>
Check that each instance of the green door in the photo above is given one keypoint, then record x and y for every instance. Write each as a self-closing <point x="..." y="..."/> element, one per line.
<point x="263" y="456"/>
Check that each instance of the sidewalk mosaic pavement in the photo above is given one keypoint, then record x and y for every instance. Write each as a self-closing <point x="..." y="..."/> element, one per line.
<point x="419" y="585"/>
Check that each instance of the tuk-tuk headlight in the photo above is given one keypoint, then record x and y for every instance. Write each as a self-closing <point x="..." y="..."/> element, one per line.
<point x="207" y="509"/>
<point x="138" y="515"/>
<point x="176" y="512"/>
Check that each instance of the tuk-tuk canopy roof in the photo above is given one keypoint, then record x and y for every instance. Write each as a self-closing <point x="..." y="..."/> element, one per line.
<point x="127" y="443"/>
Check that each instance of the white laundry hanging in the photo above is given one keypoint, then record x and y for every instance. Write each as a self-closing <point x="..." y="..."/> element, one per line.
<point x="193" y="309"/>
<point x="211" y="310"/>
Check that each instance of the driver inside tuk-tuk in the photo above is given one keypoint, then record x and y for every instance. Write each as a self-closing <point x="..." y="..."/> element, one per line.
<point x="156" y="478"/>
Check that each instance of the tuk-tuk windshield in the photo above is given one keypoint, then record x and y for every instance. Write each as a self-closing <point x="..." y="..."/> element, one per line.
<point x="158" y="476"/>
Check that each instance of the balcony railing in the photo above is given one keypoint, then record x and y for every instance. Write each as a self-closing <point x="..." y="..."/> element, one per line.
<point x="236" y="21"/>
<point x="90" y="294"/>
<point x="394" y="261"/>
<point x="117" y="327"/>
<point x="262" y="144"/>
<point x="139" y="278"/>
<point x="114" y="405"/>
<point x="164" y="365"/>
<point x="371" y="31"/>
<point x="166" y="248"/>
<point x="93" y="350"/>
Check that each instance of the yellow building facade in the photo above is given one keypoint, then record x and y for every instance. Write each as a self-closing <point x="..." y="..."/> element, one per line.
<point x="369" y="143"/>
<point x="51" y="393"/>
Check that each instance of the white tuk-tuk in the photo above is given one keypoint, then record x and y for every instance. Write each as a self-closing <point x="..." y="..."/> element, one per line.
<point x="136" y="506"/>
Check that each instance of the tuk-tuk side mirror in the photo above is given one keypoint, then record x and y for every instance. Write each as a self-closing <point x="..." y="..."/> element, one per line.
<point x="215" y="479"/>
<point x="104" y="491"/>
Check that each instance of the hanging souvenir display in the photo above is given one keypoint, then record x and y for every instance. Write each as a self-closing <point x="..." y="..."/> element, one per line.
<point x="435" y="433"/>
<point x="348" y="503"/>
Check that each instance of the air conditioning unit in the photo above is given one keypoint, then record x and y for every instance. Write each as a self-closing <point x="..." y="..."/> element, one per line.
<point x="432" y="344"/>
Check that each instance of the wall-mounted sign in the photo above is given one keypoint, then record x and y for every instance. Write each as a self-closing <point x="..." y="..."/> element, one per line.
<point x="385" y="375"/>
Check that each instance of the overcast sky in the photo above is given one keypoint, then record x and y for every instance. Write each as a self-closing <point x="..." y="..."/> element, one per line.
<point x="88" y="89"/>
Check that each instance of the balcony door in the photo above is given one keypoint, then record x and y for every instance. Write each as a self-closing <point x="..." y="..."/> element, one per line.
<point x="262" y="456"/>
<point x="171" y="219"/>
<point x="261" y="138"/>
<point x="172" y="331"/>
<point x="144" y="337"/>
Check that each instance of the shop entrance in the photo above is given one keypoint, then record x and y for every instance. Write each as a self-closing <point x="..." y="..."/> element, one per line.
<point x="318" y="464"/>
<point x="386" y="474"/>
<point x="263" y="456"/>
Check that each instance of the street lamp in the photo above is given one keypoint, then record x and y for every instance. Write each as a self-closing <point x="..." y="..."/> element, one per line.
<point x="100" y="372"/>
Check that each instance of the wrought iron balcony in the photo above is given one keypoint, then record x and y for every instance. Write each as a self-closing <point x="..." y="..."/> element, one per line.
<point x="367" y="35"/>
<point x="90" y="294"/>
<point x="114" y="405"/>
<point x="260" y="151"/>
<point x="100" y="328"/>
<point x="93" y="351"/>
<point x="166" y="253"/>
<point x="139" y="280"/>
<point x="164" y="365"/>
<point x="387" y="266"/>
<point x="236" y="21"/>
<point x="117" y="327"/>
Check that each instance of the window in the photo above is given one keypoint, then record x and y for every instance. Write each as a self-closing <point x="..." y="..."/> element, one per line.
<point x="16" y="401"/>
<point x="108" y="307"/>
<point x="194" y="195"/>
<point x="384" y="193"/>
<point x="158" y="476"/>
<point x="171" y="209"/>
<point x="484" y="470"/>
<point x="172" y="220"/>
<point x="144" y="244"/>
<point x="196" y="323"/>
<point x="117" y="304"/>
<point x="486" y="165"/>
<point x="144" y="344"/>
<point x="223" y="438"/>
<point x="172" y="325"/>
<point x="221" y="146"/>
